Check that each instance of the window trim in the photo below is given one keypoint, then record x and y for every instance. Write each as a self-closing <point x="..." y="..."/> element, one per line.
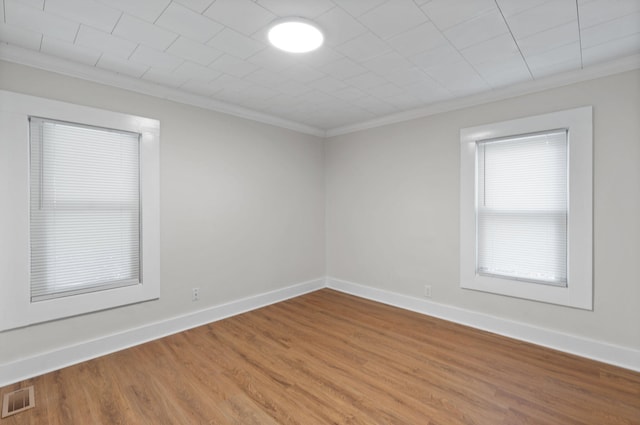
<point x="16" y="309"/>
<point x="579" y="290"/>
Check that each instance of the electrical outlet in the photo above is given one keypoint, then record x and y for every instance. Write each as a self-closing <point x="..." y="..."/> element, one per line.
<point x="195" y="294"/>
<point x="427" y="291"/>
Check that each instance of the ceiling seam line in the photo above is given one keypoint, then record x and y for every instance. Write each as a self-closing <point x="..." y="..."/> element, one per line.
<point x="75" y="38"/>
<point x="464" y="59"/>
<point x="162" y="13"/>
<point x="116" y="24"/>
<point x="514" y="40"/>
<point x="579" y="34"/>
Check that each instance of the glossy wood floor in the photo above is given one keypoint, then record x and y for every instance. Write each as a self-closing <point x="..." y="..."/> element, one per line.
<point x="329" y="358"/>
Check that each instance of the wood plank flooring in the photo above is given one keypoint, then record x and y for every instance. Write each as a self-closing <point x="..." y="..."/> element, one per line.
<point x="330" y="358"/>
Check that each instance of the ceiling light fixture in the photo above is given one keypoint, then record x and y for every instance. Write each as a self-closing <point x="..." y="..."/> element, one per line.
<point x="295" y="35"/>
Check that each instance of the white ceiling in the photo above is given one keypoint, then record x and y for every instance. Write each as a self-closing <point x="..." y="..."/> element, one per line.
<point x="381" y="57"/>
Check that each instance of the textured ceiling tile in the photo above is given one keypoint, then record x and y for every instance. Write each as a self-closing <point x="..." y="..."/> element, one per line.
<point x="561" y="59"/>
<point x="232" y="42"/>
<point x="393" y="18"/>
<point x="509" y="70"/>
<point x="283" y="102"/>
<point x="139" y="31"/>
<point x="541" y="18"/>
<point x="319" y="57"/>
<point x="365" y="81"/>
<point x="380" y="57"/>
<point x="387" y="63"/>
<point x="550" y="39"/>
<point x="437" y="57"/>
<point x="70" y="51"/>
<point x="349" y="94"/>
<point x="29" y="18"/>
<point x="363" y="47"/>
<point x="229" y="82"/>
<point x="293" y="88"/>
<point x="20" y="37"/>
<point x="121" y="66"/>
<point x="156" y="59"/>
<point x="446" y="13"/>
<point x="193" y="71"/>
<point x="513" y="7"/>
<point x="184" y="21"/>
<point x="164" y="77"/>
<point x="256" y="93"/>
<point x="385" y="90"/>
<point x="301" y="8"/>
<point x="198" y="6"/>
<point x="338" y="26"/>
<point x="328" y="84"/>
<point x="149" y="10"/>
<point x="302" y="73"/>
<point x="200" y="88"/>
<point x="405" y="77"/>
<point x="405" y="101"/>
<point x="343" y="68"/>
<point x="615" y="29"/>
<point x="196" y="52"/>
<point x="87" y="12"/>
<point x="233" y="66"/>
<point x="273" y="59"/>
<point x="548" y="69"/>
<point x="104" y="42"/>
<point x="358" y="7"/>
<point x="429" y="92"/>
<point x="492" y="50"/>
<point x="244" y="16"/>
<point x="600" y="11"/>
<point x="38" y="4"/>
<point x="266" y="77"/>
<point x="607" y="51"/>
<point x="417" y="40"/>
<point x="458" y="78"/>
<point x="477" y="30"/>
<point x="375" y="105"/>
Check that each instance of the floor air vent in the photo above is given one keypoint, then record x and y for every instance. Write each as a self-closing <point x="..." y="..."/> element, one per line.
<point x="18" y="401"/>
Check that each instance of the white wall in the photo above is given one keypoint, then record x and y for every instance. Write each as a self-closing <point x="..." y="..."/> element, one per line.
<point x="242" y="209"/>
<point x="393" y="209"/>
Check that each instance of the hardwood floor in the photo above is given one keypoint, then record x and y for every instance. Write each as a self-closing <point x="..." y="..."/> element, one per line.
<point x="330" y="358"/>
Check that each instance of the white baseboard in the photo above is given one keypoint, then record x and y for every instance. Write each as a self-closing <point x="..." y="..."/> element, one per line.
<point x="29" y="367"/>
<point x="608" y="353"/>
<point x="39" y="364"/>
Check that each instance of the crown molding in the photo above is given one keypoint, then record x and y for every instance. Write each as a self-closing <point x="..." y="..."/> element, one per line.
<point x="617" y="66"/>
<point x="50" y="63"/>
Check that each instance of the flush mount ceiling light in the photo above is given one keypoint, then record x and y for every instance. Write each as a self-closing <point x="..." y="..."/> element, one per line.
<point x="295" y="35"/>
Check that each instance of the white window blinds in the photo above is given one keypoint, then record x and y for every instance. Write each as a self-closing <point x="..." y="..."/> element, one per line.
<point x="84" y="209"/>
<point x="521" y="207"/>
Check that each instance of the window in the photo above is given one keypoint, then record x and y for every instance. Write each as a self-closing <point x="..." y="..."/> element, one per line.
<point x="521" y="207"/>
<point x="82" y="231"/>
<point x="526" y="214"/>
<point x="84" y="209"/>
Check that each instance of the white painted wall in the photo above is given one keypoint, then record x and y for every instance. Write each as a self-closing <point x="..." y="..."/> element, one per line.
<point x="393" y="209"/>
<point x="242" y="210"/>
